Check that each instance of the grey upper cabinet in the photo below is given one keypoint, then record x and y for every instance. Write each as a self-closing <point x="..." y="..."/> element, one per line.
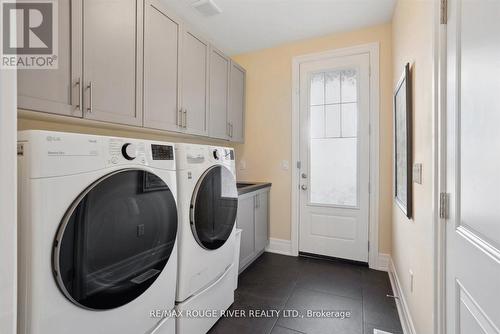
<point x="194" y="87"/>
<point x="236" y="112"/>
<point x="245" y="222"/>
<point x="219" y="90"/>
<point x="58" y="91"/>
<point x="261" y="220"/>
<point x="133" y="62"/>
<point x="161" y="63"/>
<point x="112" y="60"/>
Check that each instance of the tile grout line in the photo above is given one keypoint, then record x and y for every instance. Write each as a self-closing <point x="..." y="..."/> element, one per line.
<point x="363" y="310"/>
<point x="295" y="330"/>
<point x="331" y="294"/>
<point x="286" y="301"/>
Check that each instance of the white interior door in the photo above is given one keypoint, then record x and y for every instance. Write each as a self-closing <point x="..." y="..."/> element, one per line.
<point x="473" y="167"/>
<point x="334" y="155"/>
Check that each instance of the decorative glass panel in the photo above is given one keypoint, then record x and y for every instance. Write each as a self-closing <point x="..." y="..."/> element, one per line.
<point x="333" y="172"/>
<point x="317" y="121"/>
<point x="349" y="119"/>
<point x="318" y="89"/>
<point x="332" y="87"/>
<point x="334" y="143"/>
<point x="332" y="123"/>
<point x="349" y="86"/>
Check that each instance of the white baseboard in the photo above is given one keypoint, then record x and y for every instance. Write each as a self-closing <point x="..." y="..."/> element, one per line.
<point x="280" y="246"/>
<point x="403" y="310"/>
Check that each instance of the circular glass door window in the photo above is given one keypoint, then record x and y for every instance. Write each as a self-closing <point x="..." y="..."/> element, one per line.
<point x="115" y="240"/>
<point x="213" y="207"/>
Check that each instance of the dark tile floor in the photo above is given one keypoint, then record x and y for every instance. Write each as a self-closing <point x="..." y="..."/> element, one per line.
<point x="277" y="282"/>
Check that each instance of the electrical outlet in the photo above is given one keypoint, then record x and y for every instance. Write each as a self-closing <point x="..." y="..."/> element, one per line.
<point x="243" y="164"/>
<point x="285" y="165"/>
<point x="411" y="281"/>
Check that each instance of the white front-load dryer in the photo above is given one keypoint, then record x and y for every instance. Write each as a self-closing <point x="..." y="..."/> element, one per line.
<point x="208" y="203"/>
<point x="97" y="234"/>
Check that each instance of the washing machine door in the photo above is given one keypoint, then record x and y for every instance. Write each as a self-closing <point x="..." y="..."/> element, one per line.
<point x="213" y="207"/>
<point x="115" y="239"/>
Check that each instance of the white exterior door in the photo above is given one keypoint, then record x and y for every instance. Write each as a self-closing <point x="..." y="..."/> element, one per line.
<point x="473" y="168"/>
<point x="334" y="155"/>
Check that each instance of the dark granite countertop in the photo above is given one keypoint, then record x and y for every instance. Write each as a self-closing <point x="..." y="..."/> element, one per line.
<point x="247" y="187"/>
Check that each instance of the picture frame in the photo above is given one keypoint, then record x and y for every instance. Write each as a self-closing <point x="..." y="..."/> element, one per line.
<point x="403" y="143"/>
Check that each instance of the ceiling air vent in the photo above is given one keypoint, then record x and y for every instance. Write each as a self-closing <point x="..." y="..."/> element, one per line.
<point x="207" y="7"/>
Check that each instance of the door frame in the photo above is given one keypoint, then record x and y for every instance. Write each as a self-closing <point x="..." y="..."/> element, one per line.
<point x="8" y="199"/>
<point x="439" y="140"/>
<point x="375" y="260"/>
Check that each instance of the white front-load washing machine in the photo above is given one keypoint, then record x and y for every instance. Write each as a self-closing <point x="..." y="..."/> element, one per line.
<point x="97" y="234"/>
<point x="208" y="202"/>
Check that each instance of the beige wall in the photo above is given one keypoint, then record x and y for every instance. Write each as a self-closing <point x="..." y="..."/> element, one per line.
<point x="412" y="242"/>
<point x="268" y="121"/>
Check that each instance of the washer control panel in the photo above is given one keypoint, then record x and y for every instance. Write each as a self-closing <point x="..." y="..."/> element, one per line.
<point x="121" y="150"/>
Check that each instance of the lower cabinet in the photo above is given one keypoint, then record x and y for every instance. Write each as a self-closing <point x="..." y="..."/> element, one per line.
<point x="253" y="220"/>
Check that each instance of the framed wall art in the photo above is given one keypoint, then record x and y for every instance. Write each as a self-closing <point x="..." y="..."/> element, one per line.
<point x="403" y="143"/>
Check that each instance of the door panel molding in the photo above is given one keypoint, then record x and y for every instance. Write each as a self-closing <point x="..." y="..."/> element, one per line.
<point x="372" y="49"/>
<point x="479" y="241"/>
<point x="474" y="310"/>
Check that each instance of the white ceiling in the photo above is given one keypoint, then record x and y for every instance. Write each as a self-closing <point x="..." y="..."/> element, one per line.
<point x="248" y="25"/>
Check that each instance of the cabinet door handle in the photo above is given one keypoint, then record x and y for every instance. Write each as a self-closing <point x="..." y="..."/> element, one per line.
<point x="231" y="129"/>
<point x="89" y="108"/>
<point x="179" y="118"/>
<point x="185" y="118"/>
<point x="78" y="83"/>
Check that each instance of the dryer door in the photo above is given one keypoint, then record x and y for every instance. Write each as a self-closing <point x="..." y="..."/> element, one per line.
<point x="213" y="207"/>
<point x="115" y="240"/>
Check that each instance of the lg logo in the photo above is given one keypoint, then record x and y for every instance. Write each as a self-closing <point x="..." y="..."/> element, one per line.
<point x="29" y="34"/>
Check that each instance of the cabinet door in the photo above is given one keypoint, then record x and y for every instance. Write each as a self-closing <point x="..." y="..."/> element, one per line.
<point x="195" y="52"/>
<point x="58" y="91"/>
<point x="245" y="221"/>
<point x="236" y="103"/>
<point x="112" y="60"/>
<point x="161" y="46"/>
<point x="219" y="84"/>
<point x="261" y="221"/>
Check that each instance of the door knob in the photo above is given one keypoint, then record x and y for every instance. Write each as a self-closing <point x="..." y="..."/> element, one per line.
<point x="303" y="187"/>
<point x="304" y="175"/>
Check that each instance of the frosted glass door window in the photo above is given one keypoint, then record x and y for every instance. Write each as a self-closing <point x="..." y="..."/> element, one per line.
<point x="333" y="138"/>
